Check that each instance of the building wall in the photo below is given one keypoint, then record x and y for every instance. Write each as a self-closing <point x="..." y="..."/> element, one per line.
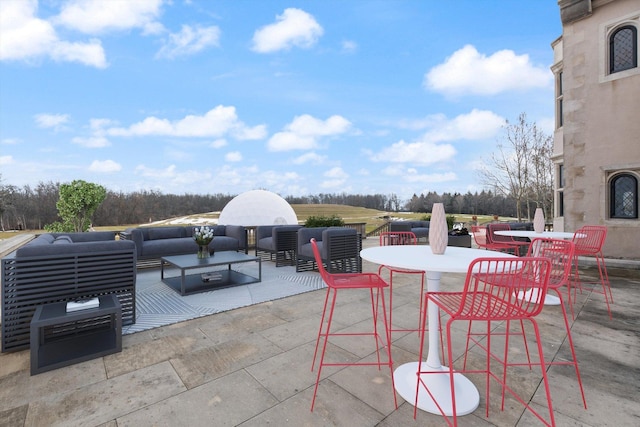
<point x="600" y="131"/>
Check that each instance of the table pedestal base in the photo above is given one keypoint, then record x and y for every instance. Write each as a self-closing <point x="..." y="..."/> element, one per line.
<point x="532" y="294"/>
<point x="467" y="396"/>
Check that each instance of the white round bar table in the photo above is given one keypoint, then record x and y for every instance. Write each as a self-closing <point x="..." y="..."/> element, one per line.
<point x="454" y="260"/>
<point x="530" y="234"/>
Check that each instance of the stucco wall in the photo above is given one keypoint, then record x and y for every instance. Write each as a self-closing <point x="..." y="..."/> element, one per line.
<point x="601" y="130"/>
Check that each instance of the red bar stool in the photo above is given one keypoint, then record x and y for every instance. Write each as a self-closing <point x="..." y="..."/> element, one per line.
<point x="589" y="241"/>
<point x="504" y="243"/>
<point x="391" y="238"/>
<point x="343" y="281"/>
<point x="490" y="294"/>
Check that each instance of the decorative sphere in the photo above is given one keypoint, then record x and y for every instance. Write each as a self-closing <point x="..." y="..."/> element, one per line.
<point x="257" y="207"/>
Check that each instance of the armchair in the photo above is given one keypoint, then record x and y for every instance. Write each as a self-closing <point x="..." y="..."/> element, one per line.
<point x="339" y="249"/>
<point x="278" y="240"/>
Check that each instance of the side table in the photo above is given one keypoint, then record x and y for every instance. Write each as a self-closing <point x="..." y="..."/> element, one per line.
<point x="61" y="339"/>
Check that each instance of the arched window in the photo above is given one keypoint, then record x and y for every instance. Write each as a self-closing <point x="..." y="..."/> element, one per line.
<point x="624" y="196"/>
<point x="623" y="49"/>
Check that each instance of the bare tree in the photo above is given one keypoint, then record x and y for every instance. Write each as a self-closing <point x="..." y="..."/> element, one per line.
<point x="522" y="167"/>
<point x="542" y="172"/>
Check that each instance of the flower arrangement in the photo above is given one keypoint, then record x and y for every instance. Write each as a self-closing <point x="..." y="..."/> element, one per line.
<point x="203" y="235"/>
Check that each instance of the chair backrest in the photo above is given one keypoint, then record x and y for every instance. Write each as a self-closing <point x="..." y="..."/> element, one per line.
<point x="492" y="286"/>
<point x="592" y="240"/>
<point x="559" y="252"/>
<point x="389" y="238"/>
<point x="479" y="235"/>
<point x="493" y="237"/>
<point x="328" y="279"/>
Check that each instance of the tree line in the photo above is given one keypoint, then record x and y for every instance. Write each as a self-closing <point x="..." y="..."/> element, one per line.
<point x="33" y="208"/>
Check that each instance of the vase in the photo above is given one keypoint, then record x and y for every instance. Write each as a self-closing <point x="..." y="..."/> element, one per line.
<point x="438" y="230"/>
<point x="538" y="221"/>
<point x="203" y="251"/>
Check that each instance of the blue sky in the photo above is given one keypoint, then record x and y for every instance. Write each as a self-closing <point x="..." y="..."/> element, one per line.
<point x="295" y="97"/>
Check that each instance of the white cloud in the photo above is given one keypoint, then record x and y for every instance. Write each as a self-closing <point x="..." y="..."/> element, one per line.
<point x="10" y="141"/>
<point x="469" y="72"/>
<point x="5" y="160"/>
<point x="216" y="122"/>
<point x="95" y="141"/>
<point x="336" y="178"/>
<point x="310" y="157"/>
<point x="294" y="27"/>
<point x="476" y="125"/>
<point x="189" y="41"/>
<point x="51" y="120"/>
<point x="411" y="175"/>
<point x="304" y="131"/>
<point x="24" y="37"/>
<point x="233" y="156"/>
<point x="349" y="46"/>
<point x="171" y="178"/>
<point x="336" y="173"/>
<point x="105" y="166"/>
<point x="100" y="16"/>
<point x="98" y="138"/>
<point x="421" y="152"/>
<point x="219" y="143"/>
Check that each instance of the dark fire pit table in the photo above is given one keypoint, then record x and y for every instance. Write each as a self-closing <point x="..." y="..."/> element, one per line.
<point x="208" y="278"/>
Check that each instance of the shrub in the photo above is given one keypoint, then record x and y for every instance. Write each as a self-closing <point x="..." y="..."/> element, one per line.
<point x="324" y="221"/>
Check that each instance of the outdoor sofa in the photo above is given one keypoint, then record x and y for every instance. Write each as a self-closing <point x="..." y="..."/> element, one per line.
<point x="156" y="242"/>
<point x="419" y="228"/>
<point x="280" y="241"/>
<point x="59" y="267"/>
<point x="339" y="249"/>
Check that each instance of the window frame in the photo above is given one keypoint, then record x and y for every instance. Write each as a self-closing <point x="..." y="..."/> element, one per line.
<point x="613" y="196"/>
<point x="634" y="41"/>
<point x="606" y="30"/>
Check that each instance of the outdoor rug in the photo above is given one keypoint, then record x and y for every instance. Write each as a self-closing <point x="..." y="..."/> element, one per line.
<point x="159" y="305"/>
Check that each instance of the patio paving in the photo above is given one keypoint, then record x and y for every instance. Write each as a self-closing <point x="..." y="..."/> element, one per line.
<point x="251" y="367"/>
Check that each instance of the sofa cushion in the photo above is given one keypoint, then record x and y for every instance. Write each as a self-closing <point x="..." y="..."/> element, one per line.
<point x="164" y="247"/>
<point x="43" y="239"/>
<point x="266" y="243"/>
<point x="62" y="240"/>
<point x="158" y="233"/>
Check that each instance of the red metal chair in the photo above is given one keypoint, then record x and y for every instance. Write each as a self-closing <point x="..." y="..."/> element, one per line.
<point x="480" y="236"/>
<point x="483" y="239"/>
<point x="589" y="241"/>
<point x="389" y="238"/>
<point x="504" y="243"/>
<point x="560" y="253"/>
<point x="490" y="295"/>
<point x="344" y="281"/>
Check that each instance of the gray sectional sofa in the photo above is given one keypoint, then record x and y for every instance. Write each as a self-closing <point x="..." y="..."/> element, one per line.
<point x="64" y="267"/>
<point x="156" y="242"/>
<point x="419" y="228"/>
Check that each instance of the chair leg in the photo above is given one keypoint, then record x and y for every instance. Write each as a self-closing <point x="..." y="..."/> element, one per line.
<point x="574" y="360"/>
<point x="324" y="344"/>
<point x="324" y="312"/>
<point x="325" y="332"/>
